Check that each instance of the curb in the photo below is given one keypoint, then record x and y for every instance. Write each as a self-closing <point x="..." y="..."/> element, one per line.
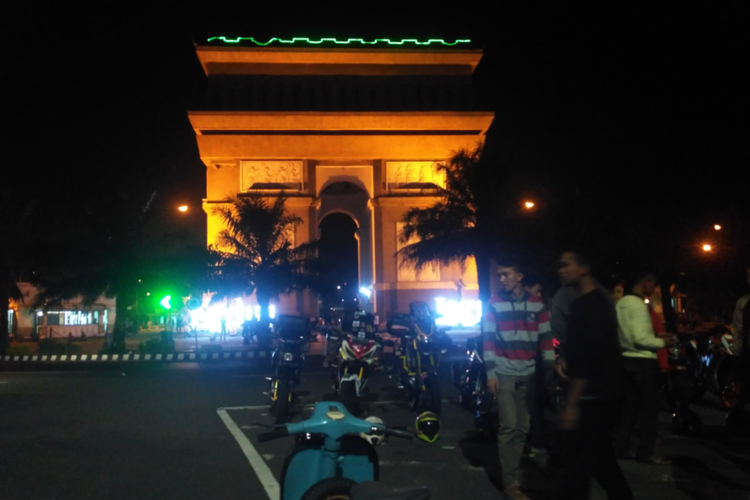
<point x="131" y="357"/>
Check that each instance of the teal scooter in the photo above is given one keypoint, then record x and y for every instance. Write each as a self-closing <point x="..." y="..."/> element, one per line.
<point x="330" y="461"/>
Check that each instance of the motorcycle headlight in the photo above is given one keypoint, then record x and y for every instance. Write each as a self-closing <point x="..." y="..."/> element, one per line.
<point x="288" y="356"/>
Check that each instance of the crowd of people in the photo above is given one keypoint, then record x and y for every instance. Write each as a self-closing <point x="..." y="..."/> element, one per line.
<point x="611" y="352"/>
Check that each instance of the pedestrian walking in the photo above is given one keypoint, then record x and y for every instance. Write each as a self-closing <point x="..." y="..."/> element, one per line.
<point x="560" y="317"/>
<point x="515" y="327"/>
<point x="594" y="371"/>
<point x="223" y="322"/>
<point x="536" y="443"/>
<point x="639" y="344"/>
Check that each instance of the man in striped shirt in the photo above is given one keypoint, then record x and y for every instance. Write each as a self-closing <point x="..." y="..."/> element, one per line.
<point x="515" y="327"/>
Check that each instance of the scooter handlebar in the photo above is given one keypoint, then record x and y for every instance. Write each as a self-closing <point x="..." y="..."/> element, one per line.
<point x="280" y="432"/>
<point x="399" y="433"/>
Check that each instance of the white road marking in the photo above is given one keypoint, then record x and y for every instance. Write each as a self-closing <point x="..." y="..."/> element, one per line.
<point x="48" y="372"/>
<point x="267" y="457"/>
<point x="3" y="381"/>
<point x="273" y="490"/>
<point x="233" y="408"/>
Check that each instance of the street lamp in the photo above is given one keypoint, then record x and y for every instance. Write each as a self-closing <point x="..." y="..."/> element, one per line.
<point x="529" y="204"/>
<point x="706" y="247"/>
<point x="717" y="227"/>
<point x="182" y="208"/>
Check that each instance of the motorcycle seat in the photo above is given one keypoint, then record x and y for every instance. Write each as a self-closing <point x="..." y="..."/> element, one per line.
<point x="375" y="490"/>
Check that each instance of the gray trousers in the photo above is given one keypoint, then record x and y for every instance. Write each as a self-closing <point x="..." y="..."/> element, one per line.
<point x="514" y="401"/>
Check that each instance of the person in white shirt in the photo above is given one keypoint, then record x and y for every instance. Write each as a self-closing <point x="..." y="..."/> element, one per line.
<point x="639" y="344"/>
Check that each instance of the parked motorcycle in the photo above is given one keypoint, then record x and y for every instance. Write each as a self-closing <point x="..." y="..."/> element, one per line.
<point x="678" y="389"/>
<point x="470" y="378"/>
<point x="711" y="365"/>
<point x="287" y="360"/>
<point x="358" y="352"/>
<point x="331" y="461"/>
<point x="420" y="346"/>
<point x="253" y="331"/>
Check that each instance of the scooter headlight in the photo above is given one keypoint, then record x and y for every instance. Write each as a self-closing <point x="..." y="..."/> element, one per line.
<point x="288" y="356"/>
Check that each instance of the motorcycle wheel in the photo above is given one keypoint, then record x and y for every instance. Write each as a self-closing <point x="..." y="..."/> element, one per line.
<point x="332" y="488"/>
<point x="283" y="400"/>
<point x="348" y="396"/>
<point x="431" y="398"/>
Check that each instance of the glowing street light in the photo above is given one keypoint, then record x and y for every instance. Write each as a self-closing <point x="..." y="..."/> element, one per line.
<point x="529" y="204"/>
<point x="182" y="208"/>
<point x="717" y="227"/>
<point x="706" y="247"/>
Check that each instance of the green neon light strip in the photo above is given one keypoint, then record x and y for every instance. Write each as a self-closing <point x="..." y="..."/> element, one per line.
<point x="348" y="41"/>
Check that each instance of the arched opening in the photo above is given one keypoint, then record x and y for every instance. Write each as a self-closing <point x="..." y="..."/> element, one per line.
<point x="339" y="250"/>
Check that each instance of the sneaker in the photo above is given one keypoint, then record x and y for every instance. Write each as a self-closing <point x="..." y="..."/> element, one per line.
<point x="654" y="460"/>
<point x="514" y="493"/>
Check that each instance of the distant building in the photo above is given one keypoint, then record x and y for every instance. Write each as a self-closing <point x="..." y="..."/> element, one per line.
<point x="344" y="130"/>
<point x="59" y="321"/>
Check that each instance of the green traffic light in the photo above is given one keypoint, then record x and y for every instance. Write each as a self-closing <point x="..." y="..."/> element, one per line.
<point x="165" y="302"/>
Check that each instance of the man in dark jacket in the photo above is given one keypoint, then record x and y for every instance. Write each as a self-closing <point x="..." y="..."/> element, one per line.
<point x="741" y="347"/>
<point x="594" y="369"/>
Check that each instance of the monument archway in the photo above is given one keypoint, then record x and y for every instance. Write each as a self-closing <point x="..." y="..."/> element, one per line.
<point x="339" y="249"/>
<point x="348" y="197"/>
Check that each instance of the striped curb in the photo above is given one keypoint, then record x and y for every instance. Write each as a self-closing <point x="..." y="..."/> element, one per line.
<point x="131" y="357"/>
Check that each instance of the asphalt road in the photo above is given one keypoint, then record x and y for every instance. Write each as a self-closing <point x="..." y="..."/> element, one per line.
<point x="153" y="432"/>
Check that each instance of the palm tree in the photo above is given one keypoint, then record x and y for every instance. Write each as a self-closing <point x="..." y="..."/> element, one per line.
<point x="255" y="253"/>
<point x="460" y="224"/>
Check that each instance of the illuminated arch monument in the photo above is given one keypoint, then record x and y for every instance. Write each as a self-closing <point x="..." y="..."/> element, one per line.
<point x="305" y="119"/>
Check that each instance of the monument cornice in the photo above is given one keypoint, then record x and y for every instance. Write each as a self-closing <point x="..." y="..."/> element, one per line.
<point x="226" y="122"/>
<point x="214" y="56"/>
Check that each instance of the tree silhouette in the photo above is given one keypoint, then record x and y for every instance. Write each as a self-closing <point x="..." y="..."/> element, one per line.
<point x="255" y="253"/>
<point x="462" y="224"/>
<point x="118" y="244"/>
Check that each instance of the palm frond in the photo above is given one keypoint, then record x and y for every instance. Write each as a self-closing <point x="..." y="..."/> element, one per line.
<point x="448" y="232"/>
<point x="254" y="252"/>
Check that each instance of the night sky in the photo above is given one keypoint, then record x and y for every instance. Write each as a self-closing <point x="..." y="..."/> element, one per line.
<point x="642" y="108"/>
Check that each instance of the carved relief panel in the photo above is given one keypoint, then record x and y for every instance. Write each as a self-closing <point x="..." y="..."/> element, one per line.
<point x="404" y="175"/>
<point x="271" y="175"/>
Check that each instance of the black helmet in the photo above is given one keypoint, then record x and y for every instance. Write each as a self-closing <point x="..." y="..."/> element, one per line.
<point x="428" y="427"/>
